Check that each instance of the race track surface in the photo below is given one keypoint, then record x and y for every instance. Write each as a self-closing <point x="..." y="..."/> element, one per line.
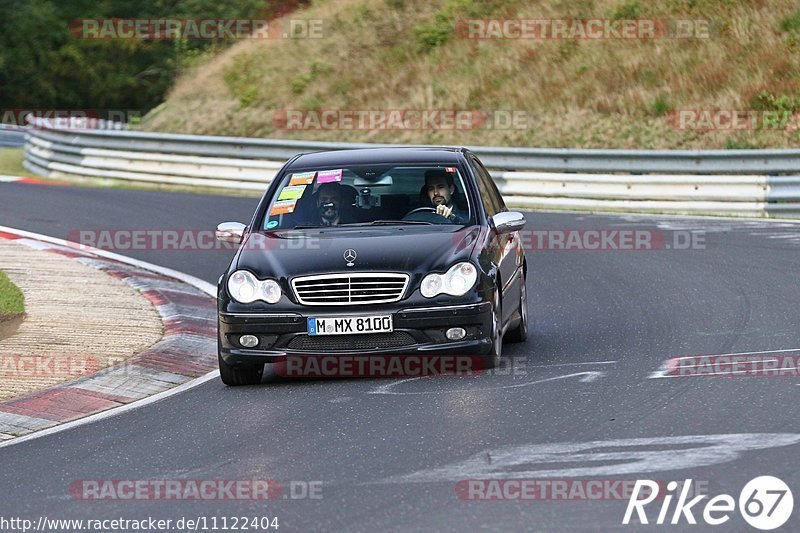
<point x="389" y="455"/>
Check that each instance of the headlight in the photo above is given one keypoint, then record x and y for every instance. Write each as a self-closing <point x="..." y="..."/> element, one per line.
<point x="455" y="282"/>
<point x="246" y="289"/>
<point x="243" y="287"/>
<point x="271" y="291"/>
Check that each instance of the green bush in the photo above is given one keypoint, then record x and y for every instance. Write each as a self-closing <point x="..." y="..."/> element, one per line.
<point x="766" y="100"/>
<point x="792" y="22"/>
<point x="627" y="11"/>
<point x="434" y="34"/>
<point x="431" y="35"/>
<point x="660" y="107"/>
<point x="739" y="144"/>
<point x="11" y="300"/>
<point x="241" y="81"/>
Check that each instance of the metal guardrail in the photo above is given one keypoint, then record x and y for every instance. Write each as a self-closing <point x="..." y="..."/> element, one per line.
<point x="11" y="136"/>
<point x="542" y="159"/>
<point x="730" y="182"/>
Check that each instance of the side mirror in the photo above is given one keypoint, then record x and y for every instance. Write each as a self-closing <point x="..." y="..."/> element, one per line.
<point x="508" y="221"/>
<point x="231" y="232"/>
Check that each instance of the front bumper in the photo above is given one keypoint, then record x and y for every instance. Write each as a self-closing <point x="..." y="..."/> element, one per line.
<point x="416" y="331"/>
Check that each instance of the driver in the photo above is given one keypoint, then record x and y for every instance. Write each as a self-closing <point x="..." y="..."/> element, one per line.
<point x="329" y="203"/>
<point x="440" y="190"/>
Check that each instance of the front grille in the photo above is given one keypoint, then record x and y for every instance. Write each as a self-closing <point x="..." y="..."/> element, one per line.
<point x="350" y="289"/>
<point x="344" y="343"/>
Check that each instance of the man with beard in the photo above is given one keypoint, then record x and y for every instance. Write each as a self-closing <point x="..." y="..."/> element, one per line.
<point x="440" y="190"/>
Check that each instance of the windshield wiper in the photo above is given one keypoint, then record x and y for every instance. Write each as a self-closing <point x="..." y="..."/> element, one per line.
<point x="388" y="223"/>
<point x="373" y="223"/>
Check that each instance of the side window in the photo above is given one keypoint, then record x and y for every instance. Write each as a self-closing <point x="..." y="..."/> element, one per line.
<point x="493" y="187"/>
<point x="490" y="196"/>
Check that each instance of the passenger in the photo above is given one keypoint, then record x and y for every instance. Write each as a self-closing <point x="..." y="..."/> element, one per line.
<point x="329" y="204"/>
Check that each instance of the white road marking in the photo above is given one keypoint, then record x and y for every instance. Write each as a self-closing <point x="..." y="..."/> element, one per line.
<point x="588" y="377"/>
<point x="738" y="353"/>
<point x="573" y="364"/>
<point x="644" y="216"/>
<point x="113" y="412"/>
<point x="592" y="376"/>
<point x="601" y="458"/>
<point x="662" y="371"/>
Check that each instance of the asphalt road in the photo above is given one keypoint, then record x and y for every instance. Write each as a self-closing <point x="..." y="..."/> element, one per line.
<point x="389" y="454"/>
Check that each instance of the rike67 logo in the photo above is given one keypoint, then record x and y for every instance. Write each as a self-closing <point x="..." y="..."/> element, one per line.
<point x="765" y="503"/>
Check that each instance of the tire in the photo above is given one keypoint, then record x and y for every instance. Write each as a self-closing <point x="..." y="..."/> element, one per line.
<point x="234" y="376"/>
<point x="492" y="359"/>
<point x="520" y="333"/>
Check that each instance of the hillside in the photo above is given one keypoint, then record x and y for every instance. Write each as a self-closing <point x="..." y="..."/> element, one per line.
<point x="594" y="93"/>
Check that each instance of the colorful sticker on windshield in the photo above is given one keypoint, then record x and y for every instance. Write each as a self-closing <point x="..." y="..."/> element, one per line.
<point x="327" y="176"/>
<point x="292" y="192"/>
<point x="271" y="224"/>
<point x="283" y="207"/>
<point x="451" y="170"/>
<point x="302" y="178"/>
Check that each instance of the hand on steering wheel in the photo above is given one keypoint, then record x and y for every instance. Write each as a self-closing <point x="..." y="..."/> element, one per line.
<point x="443" y="210"/>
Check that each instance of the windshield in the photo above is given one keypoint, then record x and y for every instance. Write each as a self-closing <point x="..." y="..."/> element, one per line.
<point x="369" y="195"/>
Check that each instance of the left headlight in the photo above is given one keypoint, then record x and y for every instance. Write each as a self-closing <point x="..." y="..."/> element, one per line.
<point x="459" y="279"/>
<point x="245" y="288"/>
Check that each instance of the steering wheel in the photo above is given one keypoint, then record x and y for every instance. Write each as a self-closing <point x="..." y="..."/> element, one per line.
<point x="426" y="214"/>
<point x="421" y="210"/>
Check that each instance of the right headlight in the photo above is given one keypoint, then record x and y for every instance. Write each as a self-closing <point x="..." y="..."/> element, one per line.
<point x="245" y="288"/>
<point x="459" y="279"/>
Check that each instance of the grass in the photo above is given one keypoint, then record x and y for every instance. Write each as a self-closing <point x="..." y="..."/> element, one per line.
<point x="11" y="162"/>
<point x="394" y="54"/>
<point x="12" y="302"/>
<point x="791" y="23"/>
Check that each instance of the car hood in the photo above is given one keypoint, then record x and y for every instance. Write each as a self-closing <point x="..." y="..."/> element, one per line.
<point x="290" y="253"/>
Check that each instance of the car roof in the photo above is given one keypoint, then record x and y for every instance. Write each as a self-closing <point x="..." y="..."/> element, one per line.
<point x="383" y="155"/>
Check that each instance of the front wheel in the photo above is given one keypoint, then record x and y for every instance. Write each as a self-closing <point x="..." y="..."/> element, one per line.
<point x="233" y="376"/>
<point x="492" y="359"/>
<point x="520" y="333"/>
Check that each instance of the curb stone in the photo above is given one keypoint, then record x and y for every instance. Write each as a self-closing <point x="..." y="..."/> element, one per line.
<point x="186" y="351"/>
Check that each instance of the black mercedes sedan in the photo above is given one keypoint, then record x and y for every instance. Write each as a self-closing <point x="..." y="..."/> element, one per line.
<point x="380" y="251"/>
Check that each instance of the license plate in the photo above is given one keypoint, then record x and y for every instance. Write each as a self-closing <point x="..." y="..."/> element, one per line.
<point x="350" y="325"/>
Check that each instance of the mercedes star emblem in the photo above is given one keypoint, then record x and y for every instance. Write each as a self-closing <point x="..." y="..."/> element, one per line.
<point x="350" y="256"/>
